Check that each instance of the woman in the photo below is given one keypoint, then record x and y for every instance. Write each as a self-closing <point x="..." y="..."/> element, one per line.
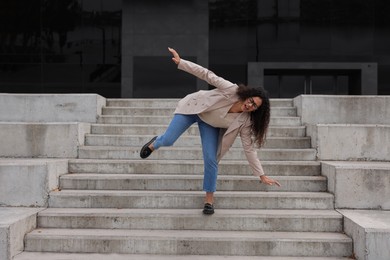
<point x="222" y="114"/>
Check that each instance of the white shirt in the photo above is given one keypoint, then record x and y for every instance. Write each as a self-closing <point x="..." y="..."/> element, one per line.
<point x="220" y="117"/>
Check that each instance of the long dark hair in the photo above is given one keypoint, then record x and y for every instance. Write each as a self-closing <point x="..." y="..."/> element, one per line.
<point x="260" y="117"/>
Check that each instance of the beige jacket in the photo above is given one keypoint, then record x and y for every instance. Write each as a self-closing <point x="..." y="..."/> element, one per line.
<point x="223" y="95"/>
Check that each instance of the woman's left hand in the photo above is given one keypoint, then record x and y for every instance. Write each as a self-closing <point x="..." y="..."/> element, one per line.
<point x="176" y="57"/>
<point x="266" y="180"/>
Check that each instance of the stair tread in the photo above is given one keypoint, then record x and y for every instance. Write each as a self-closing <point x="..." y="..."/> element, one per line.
<point x="113" y="176"/>
<point x="173" y="107"/>
<point x="94" y="256"/>
<point x="108" y="147"/>
<point x="184" y="182"/>
<point x="170" y="116"/>
<point x="169" y="166"/>
<point x="226" y="162"/>
<point x="103" y="234"/>
<point x="164" y="125"/>
<point x="236" y="194"/>
<point x="220" y="213"/>
<point x="147" y="136"/>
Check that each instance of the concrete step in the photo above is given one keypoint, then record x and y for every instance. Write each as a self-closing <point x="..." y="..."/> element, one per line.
<point x="192" y="219"/>
<point x="171" y="103"/>
<point x="191" y="153"/>
<point x="189" y="242"/>
<point x="163" y="111"/>
<point x="150" y="166"/>
<point x="187" y="182"/>
<point x="143" y="102"/>
<point x="122" y="129"/>
<point x="165" y="120"/>
<point x="185" y="141"/>
<point x="89" y="256"/>
<point x="189" y="199"/>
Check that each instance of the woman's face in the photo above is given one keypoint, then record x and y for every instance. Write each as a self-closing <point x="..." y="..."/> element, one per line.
<point x="251" y="104"/>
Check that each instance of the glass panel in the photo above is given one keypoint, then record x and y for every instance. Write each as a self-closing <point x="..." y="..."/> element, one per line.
<point x="101" y="73"/>
<point x="291" y="86"/>
<point x="323" y="85"/>
<point x="352" y="12"/>
<point x="19" y="58"/>
<point x="342" y="85"/>
<point x="17" y="78"/>
<point x="102" y="31"/>
<point x="61" y="33"/>
<point x="102" y="79"/>
<point x="61" y="73"/>
<point x="106" y="89"/>
<point x="101" y="49"/>
<point x="20" y="27"/>
<point x="271" y="84"/>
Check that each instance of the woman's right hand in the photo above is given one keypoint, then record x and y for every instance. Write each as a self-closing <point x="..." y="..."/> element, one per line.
<point x="267" y="180"/>
<point x="176" y="57"/>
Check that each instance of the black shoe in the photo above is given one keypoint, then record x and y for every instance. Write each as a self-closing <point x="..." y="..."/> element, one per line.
<point x="208" y="209"/>
<point x="146" y="151"/>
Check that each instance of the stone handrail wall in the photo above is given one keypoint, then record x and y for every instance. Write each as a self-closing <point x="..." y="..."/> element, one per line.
<point x="347" y="127"/>
<point x="50" y="107"/>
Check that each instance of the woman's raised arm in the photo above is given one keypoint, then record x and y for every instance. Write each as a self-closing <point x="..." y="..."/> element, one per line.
<point x="200" y="72"/>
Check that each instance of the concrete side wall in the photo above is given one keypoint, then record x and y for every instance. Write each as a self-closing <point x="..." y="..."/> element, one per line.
<point x="359" y="185"/>
<point x="14" y="224"/>
<point x="346" y="127"/>
<point x="358" y="235"/>
<point x="27" y="183"/>
<point x="370" y="231"/>
<point x="50" y="107"/>
<point x="325" y="109"/>
<point x="52" y="140"/>
<point x="351" y="142"/>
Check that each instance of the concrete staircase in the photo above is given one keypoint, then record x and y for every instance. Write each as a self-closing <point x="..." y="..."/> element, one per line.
<point x="113" y="205"/>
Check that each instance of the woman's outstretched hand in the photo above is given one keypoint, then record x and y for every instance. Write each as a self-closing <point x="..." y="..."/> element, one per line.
<point x="266" y="180"/>
<point x="176" y="57"/>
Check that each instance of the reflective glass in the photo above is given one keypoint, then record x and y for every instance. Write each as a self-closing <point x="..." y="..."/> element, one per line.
<point x="271" y="84"/>
<point x="101" y="30"/>
<point x="61" y="73"/>
<point x="61" y="35"/>
<point x="291" y="85"/>
<point x="323" y="85"/>
<point x="20" y="29"/>
<point x="19" y="78"/>
<point x="58" y="46"/>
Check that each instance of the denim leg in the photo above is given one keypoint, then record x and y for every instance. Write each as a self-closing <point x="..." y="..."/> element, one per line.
<point x="209" y="137"/>
<point x="176" y="128"/>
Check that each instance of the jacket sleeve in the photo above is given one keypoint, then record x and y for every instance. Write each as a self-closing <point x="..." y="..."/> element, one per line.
<point x="204" y="74"/>
<point x="250" y="151"/>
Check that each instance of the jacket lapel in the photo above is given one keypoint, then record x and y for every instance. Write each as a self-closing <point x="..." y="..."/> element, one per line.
<point x="239" y="121"/>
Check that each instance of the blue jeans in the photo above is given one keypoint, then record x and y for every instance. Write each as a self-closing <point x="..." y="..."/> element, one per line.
<point x="209" y="136"/>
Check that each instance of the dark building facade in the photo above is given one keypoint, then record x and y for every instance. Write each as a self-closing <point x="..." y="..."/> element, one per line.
<point x="118" y="48"/>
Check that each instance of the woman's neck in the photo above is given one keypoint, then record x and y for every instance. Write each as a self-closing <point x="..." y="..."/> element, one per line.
<point x="236" y="107"/>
